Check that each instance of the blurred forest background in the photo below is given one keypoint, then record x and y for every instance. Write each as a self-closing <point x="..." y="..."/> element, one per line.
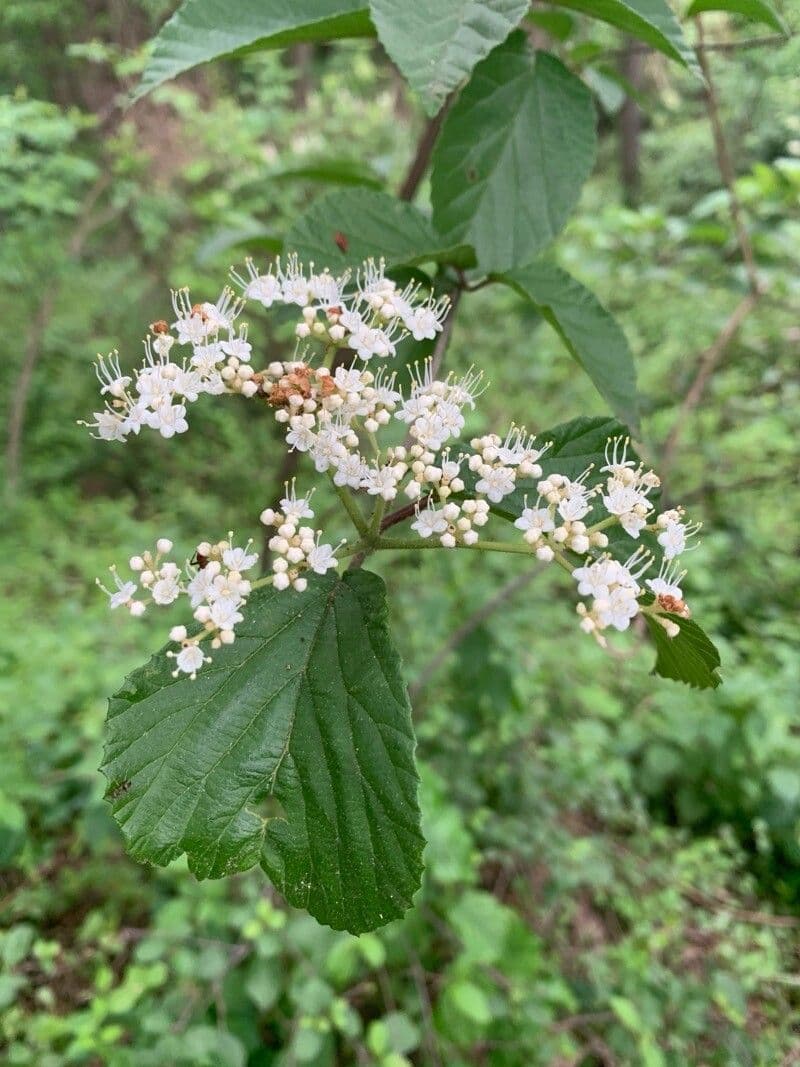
<point x="613" y="870"/>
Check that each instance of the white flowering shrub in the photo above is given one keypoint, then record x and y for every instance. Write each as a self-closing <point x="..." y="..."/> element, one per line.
<point x="274" y="727"/>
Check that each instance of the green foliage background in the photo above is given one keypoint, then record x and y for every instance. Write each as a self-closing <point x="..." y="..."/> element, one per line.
<point x="613" y="867"/>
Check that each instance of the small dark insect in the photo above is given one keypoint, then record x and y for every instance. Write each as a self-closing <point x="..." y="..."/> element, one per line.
<point x="472" y="174"/>
<point x="118" y="790"/>
<point x="341" y="241"/>
<point x="199" y="560"/>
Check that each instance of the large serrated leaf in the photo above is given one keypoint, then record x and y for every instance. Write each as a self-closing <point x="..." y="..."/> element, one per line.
<point x="202" y="30"/>
<point x="652" y="21"/>
<point x="690" y="657"/>
<point x="308" y="711"/>
<point x="592" y="335"/>
<point x="437" y="44"/>
<point x="512" y="156"/>
<point x="344" y="228"/>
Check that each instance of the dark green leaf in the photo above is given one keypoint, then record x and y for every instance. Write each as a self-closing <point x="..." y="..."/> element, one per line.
<point x="437" y="44"/>
<point x="592" y="336"/>
<point x="344" y="228"/>
<point x="202" y="30"/>
<point x="690" y="657"/>
<point x="513" y="154"/>
<point x="249" y="238"/>
<point x="651" y="21"/>
<point x="754" y="10"/>
<point x="332" y="172"/>
<point x="306" y="711"/>
<point x="557" y="23"/>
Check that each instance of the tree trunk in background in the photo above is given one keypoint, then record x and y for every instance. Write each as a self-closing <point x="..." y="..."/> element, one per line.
<point x="630" y="124"/>
<point x="299" y="58"/>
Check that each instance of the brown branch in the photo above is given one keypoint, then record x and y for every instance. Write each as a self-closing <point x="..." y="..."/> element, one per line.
<point x="724" y="163"/>
<point x="422" y="156"/>
<point x="713" y="356"/>
<point x="716" y="46"/>
<point x="709" y="361"/>
<point x="494" y="603"/>
<point x="743" y="915"/>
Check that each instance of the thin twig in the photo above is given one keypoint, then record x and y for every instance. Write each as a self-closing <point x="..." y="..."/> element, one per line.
<point x="724" y="163"/>
<point x="713" y="355"/>
<point x="742" y="915"/>
<point x="716" y="46"/>
<point x="443" y="340"/>
<point x="429" y="1035"/>
<point x="709" y="361"/>
<point x="494" y="603"/>
<point x="422" y="156"/>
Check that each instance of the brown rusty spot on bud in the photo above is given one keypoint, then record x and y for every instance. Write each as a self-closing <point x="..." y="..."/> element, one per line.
<point x="277" y="397"/>
<point x="326" y="384"/>
<point x="674" y="606"/>
<point x="197" y="309"/>
<point x="160" y="326"/>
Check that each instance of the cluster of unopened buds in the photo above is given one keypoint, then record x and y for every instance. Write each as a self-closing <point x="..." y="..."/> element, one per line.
<point x="333" y="406"/>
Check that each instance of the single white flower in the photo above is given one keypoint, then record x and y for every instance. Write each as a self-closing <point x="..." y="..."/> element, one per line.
<point x="190" y="659"/>
<point x="321" y="558"/>
<point x="429" y="521"/>
<point x="238" y="559"/>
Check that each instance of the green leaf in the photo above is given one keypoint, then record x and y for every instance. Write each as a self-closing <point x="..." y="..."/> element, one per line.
<point x="437" y="44"/>
<point x="202" y="30"/>
<point x="307" y="712"/>
<point x="754" y="10"/>
<point x="512" y="156"/>
<point x="471" y="1001"/>
<point x="627" y="1013"/>
<point x="591" y="335"/>
<point x="691" y="657"/>
<point x="331" y="171"/>
<point x="346" y="227"/>
<point x="250" y="237"/>
<point x="652" y="21"/>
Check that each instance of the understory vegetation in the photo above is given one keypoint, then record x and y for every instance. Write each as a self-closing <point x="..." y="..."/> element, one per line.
<point x="612" y="869"/>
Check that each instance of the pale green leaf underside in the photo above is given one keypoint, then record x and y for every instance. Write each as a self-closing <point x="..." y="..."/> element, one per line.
<point x="512" y="156"/>
<point x="344" y="228"/>
<point x="591" y="335"/>
<point x="754" y="10"/>
<point x="652" y="21"/>
<point x="202" y="30"/>
<point x="308" y="711"/>
<point x="437" y="44"/>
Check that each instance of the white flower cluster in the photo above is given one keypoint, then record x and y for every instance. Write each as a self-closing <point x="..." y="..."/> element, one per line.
<point x="333" y="408"/>
<point x="366" y="320"/>
<point x="213" y="583"/>
<point x="297" y="548"/>
<point x="213" y="580"/>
